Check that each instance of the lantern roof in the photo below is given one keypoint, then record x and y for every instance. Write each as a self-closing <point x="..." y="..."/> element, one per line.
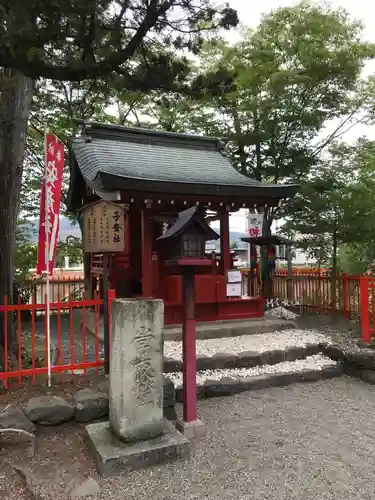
<point x="272" y="239"/>
<point x="110" y="158"/>
<point x="186" y="219"/>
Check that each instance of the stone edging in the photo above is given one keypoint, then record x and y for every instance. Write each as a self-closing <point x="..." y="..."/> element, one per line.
<point x="229" y="387"/>
<point x="359" y="363"/>
<point x="86" y="405"/>
<point x="246" y="359"/>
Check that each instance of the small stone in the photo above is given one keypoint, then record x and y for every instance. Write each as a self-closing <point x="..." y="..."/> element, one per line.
<point x="49" y="410"/>
<point x="332" y="371"/>
<point x="170" y="413"/>
<point x="363" y="359"/>
<point x="352" y="370"/>
<point x="309" y="375"/>
<point x="90" y="405"/>
<point x="255" y="383"/>
<point x="180" y="393"/>
<point x="88" y="487"/>
<point x="12" y="418"/>
<point x="368" y="376"/>
<point x="312" y="349"/>
<point x="204" y="362"/>
<point x="334" y="352"/>
<point x="223" y="360"/>
<point x="282" y="379"/>
<point x="169" y="396"/>
<point x="272" y="357"/>
<point x="223" y="387"/>
<point x="172" y="365"/>
<point x="248" y="359"/>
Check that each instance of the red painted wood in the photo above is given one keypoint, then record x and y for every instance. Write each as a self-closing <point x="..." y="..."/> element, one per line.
<point x="365" y="308"/>
<point x="224" y="243"/>
<point x="71" y="305"/>
<point x="188" y="349"/>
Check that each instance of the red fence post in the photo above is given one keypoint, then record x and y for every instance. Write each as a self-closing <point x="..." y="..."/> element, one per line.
<point x="345" y="293"/>
<point x="364" y="307"/>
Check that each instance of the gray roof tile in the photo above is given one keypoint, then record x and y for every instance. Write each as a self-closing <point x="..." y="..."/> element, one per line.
<point x="108" y="156"/>
<point x="155" y="163"/>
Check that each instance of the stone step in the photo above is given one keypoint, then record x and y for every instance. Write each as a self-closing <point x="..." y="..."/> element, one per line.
<point x="233" y="328"/>
<point x="248" y="350"/>
<point x="246" y="359"/>
<point x="218" y="383"/>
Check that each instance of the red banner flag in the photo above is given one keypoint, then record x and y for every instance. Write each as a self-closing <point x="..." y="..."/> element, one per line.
<point x="50" y="203"/>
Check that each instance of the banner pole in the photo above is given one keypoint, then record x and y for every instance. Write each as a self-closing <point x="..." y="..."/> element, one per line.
<point x="47" y="229"/>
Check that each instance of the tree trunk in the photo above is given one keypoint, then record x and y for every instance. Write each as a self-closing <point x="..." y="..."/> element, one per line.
<point x="15" y="96"/>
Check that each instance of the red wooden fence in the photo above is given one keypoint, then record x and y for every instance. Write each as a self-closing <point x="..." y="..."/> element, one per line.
<point x="76" y="325"/>
<point x="367" y="299"/>
<point x="321" y="292"/>
<point x="76" y="340"/>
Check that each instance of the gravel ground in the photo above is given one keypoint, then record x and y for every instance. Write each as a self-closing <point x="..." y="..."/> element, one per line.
<point x="257" y="343"/>
<point x="280" y="312"/>
<point x="315" y="362"/>
<point x="301" y="442"/>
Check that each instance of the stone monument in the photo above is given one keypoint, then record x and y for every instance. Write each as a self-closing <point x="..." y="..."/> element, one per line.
<point x="136" y="435"/>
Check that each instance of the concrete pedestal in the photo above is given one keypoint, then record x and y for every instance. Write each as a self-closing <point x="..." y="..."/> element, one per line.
<point x="192" y="430"/>
<point x="113" y="456"/>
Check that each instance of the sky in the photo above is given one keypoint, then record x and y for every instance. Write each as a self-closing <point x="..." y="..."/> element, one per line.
<point x="250" y="13"/>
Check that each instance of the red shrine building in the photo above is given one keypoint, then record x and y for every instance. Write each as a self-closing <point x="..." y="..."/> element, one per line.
<point x="154" y="175"/>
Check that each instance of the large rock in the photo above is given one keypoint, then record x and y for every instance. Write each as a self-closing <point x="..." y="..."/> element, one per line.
<point x="49" y="410"/>
<point x="15" y="419"/>
<point x="90" y="405"/>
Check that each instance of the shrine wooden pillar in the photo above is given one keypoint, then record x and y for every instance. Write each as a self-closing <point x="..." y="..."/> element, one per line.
<point x="146" y="249"/>
<point x="224" y="243"/>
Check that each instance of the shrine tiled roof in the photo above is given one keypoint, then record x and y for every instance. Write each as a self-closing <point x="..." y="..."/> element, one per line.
<point x="111" y="157"/>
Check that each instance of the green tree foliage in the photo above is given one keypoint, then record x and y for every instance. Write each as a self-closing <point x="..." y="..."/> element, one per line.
<point x="321" y="209"/>
<point x="129" y="44"/>
<point x="280" y="85"/>
<point x="333" y="217"/>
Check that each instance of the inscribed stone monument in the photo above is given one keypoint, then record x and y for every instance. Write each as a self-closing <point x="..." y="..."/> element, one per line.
<point x="136" y="435"/>
<point x="136" y="364"/>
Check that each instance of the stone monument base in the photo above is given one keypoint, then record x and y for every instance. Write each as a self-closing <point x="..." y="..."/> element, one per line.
<point x="113" y="456"/>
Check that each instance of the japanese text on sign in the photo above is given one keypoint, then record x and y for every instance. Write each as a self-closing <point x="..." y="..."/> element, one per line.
<point x="255" y="225"/>
<point x="50" y="203"/>
<point x="104" y="227"/>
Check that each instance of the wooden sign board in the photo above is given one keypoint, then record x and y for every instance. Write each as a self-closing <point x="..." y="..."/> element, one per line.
<point x="103" y="227"/>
